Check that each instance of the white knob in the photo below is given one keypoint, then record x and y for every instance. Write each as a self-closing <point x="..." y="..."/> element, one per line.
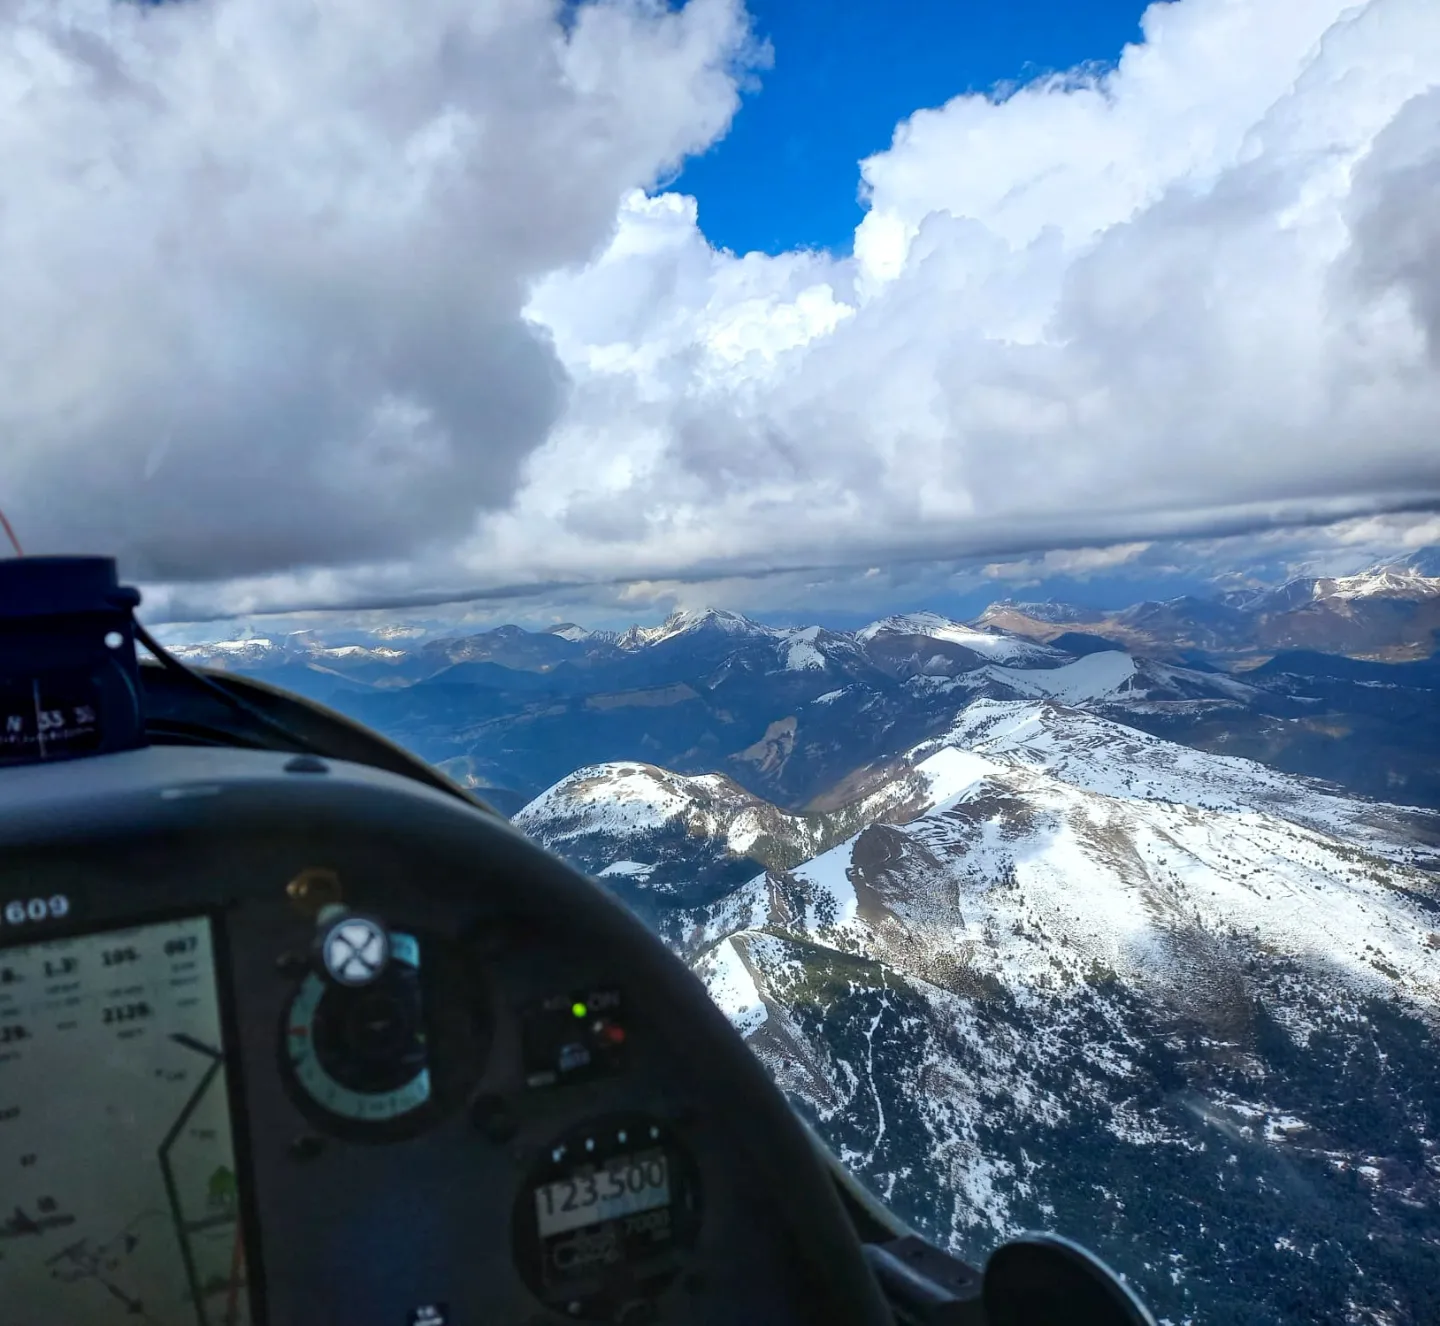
<point x="356" y="951"/>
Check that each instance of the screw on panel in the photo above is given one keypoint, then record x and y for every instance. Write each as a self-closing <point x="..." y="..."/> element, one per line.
<point x="292" y="965"/>
<point x="314" y="889"/>
<point x="491" y="1116"/>
<point x="306" y="1147"/>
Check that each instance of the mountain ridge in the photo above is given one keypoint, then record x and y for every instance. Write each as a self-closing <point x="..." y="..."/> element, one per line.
<point x="1033" y="1002"/>
<point x="797" y="714"/>
<point x="1006" y="624"/>
<point x="1389" y="611"/>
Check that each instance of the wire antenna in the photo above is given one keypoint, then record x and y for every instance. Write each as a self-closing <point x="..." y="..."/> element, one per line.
<point x="221" y="692"/>
<point x="10" y="530"/>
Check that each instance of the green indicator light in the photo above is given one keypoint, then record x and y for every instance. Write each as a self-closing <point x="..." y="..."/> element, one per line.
<point x="579" y="1010"/>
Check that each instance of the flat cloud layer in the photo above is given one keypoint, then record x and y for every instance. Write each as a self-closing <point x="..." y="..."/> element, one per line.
<point x="333" y="301"/>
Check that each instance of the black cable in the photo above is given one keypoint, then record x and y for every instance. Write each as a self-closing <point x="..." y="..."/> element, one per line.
<point x="170" y="663"/>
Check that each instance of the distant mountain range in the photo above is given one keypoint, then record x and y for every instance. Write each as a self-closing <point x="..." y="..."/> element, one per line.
<point x="802" y="716"/>
<point x="1389" y="613"/>
<point x="1122" y="924"/>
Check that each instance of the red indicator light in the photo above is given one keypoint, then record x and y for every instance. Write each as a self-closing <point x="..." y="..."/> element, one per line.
<point x="615" y="1035"/>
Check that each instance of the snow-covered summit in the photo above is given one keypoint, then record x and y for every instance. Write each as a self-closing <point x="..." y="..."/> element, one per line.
<point x="1051" y="610"/>
<point x="1110" y="879"/>
<point x="1388" y="581"/>
<point x="252" y="650"/>
<point x="630" y="818"/>
<point x="990" y="643"/>
<point x="623" y="796"/>
<point x="814" y="648"/>
<point x="686" y="621"/>
<point x="629" y="811"/>
<point x="1092" y="752"/>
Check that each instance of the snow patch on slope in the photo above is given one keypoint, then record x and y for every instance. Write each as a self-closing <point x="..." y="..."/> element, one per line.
<point x="800" y="651"/>
<point x="1094" y="677"/>
<point x="951" y="771"/>
<point x="828" y="874"/>
<point x="731" y="986"/>
<point x="628" y="870"/>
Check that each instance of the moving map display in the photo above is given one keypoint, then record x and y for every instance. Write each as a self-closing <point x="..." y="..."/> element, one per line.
<point x="118" y="1194"/>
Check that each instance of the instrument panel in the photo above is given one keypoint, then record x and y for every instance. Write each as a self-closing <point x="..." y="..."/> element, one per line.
<point x="282" y="1050"/>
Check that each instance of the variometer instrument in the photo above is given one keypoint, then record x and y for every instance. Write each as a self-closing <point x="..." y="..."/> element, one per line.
<point x="359" y="1051"/>
<point x="383" y="1034"/>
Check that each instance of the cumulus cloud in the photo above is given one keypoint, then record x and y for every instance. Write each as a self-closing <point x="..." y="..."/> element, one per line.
<point x="1195" y="293"/>
<point x="264" y="261"/>
<point x="1196" y="290"/>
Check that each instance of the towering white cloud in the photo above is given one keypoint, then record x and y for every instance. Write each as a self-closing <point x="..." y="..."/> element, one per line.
<point x="1200" y="286"/>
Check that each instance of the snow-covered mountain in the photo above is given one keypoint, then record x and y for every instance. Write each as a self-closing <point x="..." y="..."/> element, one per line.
<point x="915" y="634"/>
<point x="1176" y="1004"/>
<point x="689" y="622"/>
<point x="252" y="650"/>
<point x="1091" y="752"/>
<point x="1203" y="1041"/>
<point x="1389" y="581"/>
<point x="1389" y="611"/>
<point x="1100" y="878"/>
<point x="1110" y="678"/>
<point x="285" y="656"/>
<point x="670" y="844"/>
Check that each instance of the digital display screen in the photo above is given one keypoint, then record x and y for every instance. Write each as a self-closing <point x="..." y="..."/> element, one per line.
<point x="623" y="1186"/>
<point x="117" y="1164"/>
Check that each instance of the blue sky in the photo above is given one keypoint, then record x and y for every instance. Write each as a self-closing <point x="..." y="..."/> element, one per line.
<point x="845" y="73"/>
